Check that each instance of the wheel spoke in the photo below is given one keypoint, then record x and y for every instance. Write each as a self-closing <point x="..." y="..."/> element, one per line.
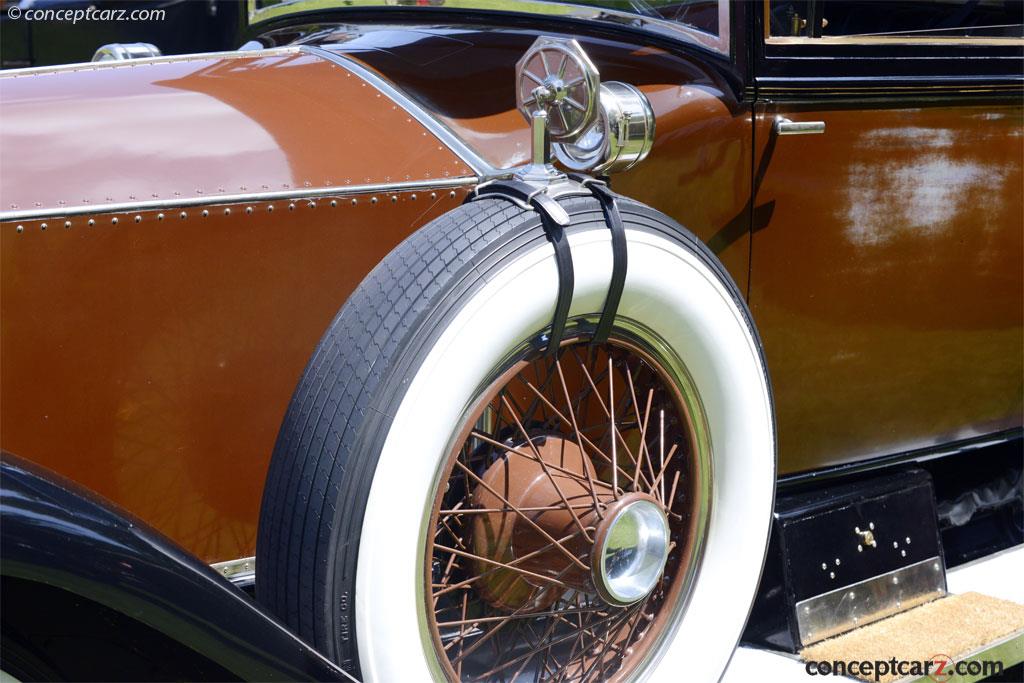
<point x="672" y="495"/>
<point x="529" y="615"/>
<point x="594" y="448"/>
<point x="561" y="639"/>
<point x="462" y="638"/>
<point x="661" y="454"/>
<point x="642" y="451"/>
<point x="611" y="420"/>
<point x="660" y="479"/>
<point x="561" y="115"/>
<point x="507" y="565"/>
<point x="503" y="565"/>
<point x="576" y="431"/>
<point x="617" y="435"/>
<point x="544" y="466"/>
<point x="491" y="511"/>
<point x="526" y="518"/>
<point x="544" y="384"/>
<point x="530" y="456"/>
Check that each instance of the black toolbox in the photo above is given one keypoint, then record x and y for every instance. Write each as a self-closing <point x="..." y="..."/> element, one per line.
<point x="845" y="555"/>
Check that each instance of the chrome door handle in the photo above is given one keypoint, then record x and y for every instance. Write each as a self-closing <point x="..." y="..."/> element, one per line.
<point x="784" y="126"/>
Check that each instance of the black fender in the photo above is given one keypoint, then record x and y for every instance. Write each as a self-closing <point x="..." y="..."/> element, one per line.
<point x="90" y="593"/>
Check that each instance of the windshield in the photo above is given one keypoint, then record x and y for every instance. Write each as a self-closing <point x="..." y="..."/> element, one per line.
<point x="701" y="21"/>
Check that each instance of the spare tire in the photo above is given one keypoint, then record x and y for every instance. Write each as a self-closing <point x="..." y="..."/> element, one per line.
<point x="448" y="500"/>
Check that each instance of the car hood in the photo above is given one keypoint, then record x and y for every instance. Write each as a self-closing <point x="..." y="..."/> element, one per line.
<point x="193" y="129"/>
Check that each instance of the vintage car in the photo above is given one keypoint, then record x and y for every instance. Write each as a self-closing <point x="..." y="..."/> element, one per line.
<point x="501" y="340"/>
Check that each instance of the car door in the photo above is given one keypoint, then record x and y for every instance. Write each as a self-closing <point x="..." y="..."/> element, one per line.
<point x="886" y="270"/>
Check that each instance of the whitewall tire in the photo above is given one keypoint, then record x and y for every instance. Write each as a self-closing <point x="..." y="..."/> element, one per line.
<point x="407" y="381"/>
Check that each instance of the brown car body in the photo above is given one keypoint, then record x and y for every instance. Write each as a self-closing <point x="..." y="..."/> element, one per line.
<point x="177" y="234"/>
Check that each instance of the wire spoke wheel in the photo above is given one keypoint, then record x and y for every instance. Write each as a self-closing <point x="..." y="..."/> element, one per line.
<point x="451" y="500"/>
<point x="568" y="518"/>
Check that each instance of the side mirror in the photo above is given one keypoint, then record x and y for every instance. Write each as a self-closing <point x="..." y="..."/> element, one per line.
<point x="592" y="126"/>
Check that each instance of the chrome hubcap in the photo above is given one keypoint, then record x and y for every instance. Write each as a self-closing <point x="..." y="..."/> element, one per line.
<point x="630" y="550"/>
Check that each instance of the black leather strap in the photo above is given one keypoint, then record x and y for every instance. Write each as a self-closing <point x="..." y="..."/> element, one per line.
<point x="613" y="220"/>
<point x="553" y="219"/>
<point x="566" y="280"/>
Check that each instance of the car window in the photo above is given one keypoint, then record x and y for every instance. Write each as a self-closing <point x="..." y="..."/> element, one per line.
<point x="700" y="14"/>
<point x="702" y="21"/>
<point x="868" y="20"/>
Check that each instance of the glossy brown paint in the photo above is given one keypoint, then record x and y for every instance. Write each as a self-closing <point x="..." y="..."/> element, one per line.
<point x="163" y="353"/>
<point x="887" y="279"/>
<point x="152" y="359"/>
<point x="198" y="127"/>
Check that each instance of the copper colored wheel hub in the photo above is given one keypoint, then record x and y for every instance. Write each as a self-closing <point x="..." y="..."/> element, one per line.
<point x="615" y="547"/>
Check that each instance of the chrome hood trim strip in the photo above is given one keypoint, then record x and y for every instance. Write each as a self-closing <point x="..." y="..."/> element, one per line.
<point x="211" y="200"/>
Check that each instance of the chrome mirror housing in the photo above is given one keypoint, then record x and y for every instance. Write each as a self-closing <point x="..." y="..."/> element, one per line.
<point x="620" y="138"/>
<point x="117" y="52"/>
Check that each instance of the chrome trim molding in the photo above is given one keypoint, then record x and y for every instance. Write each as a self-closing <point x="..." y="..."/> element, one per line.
<point x="239" y="572"/>
<point x="210" y="200"/>
<point x="867" y="601"/>
<point x="413" y="108"/>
